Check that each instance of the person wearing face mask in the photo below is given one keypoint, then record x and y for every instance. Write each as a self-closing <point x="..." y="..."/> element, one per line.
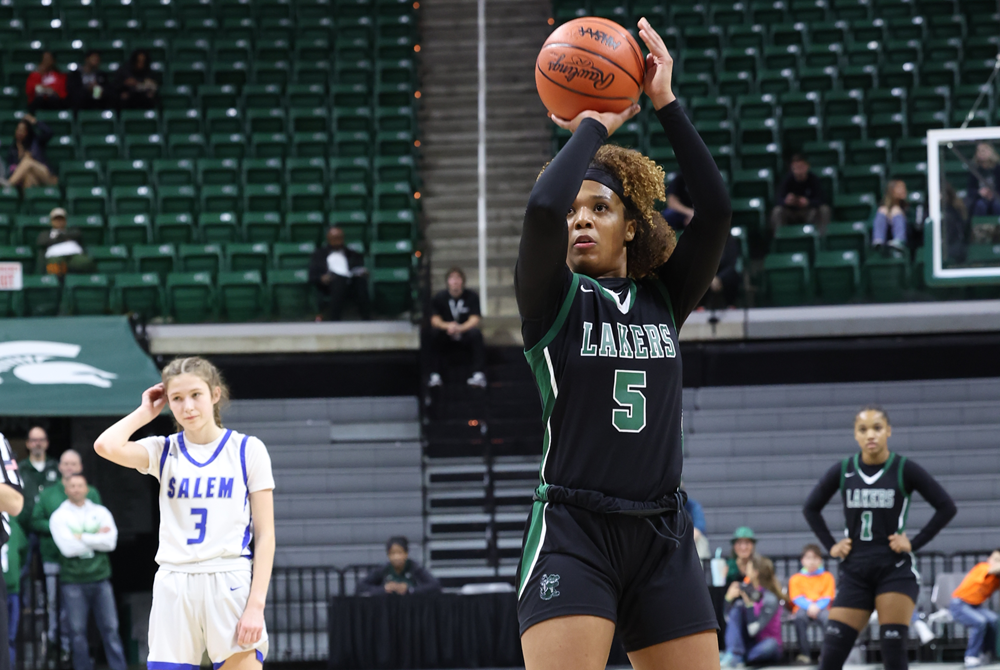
<point x="400" y="576"/>
<point x="876" y="570"/>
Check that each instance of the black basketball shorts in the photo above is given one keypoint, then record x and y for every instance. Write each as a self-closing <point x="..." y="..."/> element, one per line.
<point x="642" y="573"/>
<point x="860" y="578"/>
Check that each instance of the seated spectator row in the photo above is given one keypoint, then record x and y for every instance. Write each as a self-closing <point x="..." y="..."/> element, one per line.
<point x="302" y="10"/>
<point x="163" y="259"/>
<point x="691" y="13"/>
<point x="251" y="114"/>
<point x="216" y="227"/>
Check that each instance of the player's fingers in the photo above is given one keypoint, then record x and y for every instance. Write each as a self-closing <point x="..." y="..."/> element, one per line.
<point x="562" y="123"/>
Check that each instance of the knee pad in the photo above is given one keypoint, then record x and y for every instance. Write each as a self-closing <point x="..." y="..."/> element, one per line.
<point x="893" y="639"/>
<point x="838" y="640"/>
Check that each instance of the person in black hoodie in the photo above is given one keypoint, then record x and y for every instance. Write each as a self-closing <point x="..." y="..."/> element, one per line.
<point x="136" y="86"/>
<point x="400" y="575"/>
<point x="27" y="164"/>
<point x="87" y="87"/>
<point x="337" y="272"/>
<point x="800" y="198"/>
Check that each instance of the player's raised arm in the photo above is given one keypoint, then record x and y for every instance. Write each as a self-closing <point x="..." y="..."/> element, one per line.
<point x="114" y="445"/>
<point x="541" y="257"/>
<point x="691" y="267"/>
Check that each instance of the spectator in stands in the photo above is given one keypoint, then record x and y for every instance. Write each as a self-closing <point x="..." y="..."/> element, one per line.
<point x="969" y="607"/>
<point x="892" y="213"/>
<point x="61" y="248"/>
<point x="27" y="164"/>
<point x="679" y="209"/>
<point x="956" y="224"/>
<point x="800" y="198"/>
<point x="744" y="544"/>
<point x="136" y="87"/>
<point x="810" y="591"/>
<point x="338" y="272"/>
<point x="17" y="550"/>
<point x="400" y="575"/>
<point x="455" y="318"/>
<point x="725" y="287"/>
<point x="753" y="625"/>
<point x="697" y="514"/>
<point x="46" y="86"/>
<point x="984" y="181"/>
<point x="50" y="500"/>
<point x="38" y="471"/>
<point x="87" y="87"/>
<point x="85" y="533"/>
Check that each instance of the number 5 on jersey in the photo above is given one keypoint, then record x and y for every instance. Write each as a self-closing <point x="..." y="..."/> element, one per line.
<point x="631" y="418"/>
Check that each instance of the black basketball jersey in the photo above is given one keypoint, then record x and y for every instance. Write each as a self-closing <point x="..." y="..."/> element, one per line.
<point x="875" y="506"/>
<point x="609" y="374"/>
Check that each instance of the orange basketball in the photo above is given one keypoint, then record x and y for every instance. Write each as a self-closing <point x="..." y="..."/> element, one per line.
<point x="589" y="63"/>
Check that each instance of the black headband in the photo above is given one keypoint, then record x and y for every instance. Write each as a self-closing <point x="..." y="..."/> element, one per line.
<point x="602" y="176"/>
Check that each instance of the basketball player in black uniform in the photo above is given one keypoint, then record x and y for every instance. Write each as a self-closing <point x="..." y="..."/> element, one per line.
<point x="603" y="288"/>
<point x="876" y="569"/>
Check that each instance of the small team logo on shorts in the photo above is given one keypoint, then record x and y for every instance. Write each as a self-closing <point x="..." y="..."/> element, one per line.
<point x="548" y="587"/>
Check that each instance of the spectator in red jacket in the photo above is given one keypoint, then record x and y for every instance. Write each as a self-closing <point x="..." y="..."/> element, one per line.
<point x="46" y="86"/>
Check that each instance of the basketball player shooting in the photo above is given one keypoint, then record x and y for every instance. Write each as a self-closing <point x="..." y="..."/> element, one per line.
<point x="603" y="288"/>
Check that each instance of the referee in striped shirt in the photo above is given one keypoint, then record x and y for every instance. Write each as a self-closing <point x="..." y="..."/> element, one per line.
<point x="11" y="502"/>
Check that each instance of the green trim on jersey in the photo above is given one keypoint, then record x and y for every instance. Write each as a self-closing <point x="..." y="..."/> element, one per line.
<point x="906" y="499"/>
<point x="532" y="545"/>
<point x="666" y="298"/>
<point x="843" y="473"/>
<point x="560" y="319"/>
<point x="632" y="291"/>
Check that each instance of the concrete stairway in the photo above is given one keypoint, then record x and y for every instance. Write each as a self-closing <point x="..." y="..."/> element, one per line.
<point x="517" y="135"/>
<point x="347" y="475"/>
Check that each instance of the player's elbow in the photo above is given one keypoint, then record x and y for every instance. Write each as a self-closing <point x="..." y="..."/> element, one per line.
<point x="14" y="502"/>
<point x="102" y="449"/>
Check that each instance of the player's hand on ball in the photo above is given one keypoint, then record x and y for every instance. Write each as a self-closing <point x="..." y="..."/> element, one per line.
<point x="899" y="543"/>
<point x="611" y="121"/>
<point x="841" y="549"/>
<point x="153" y="400"/>
<point x="659" y="67"/>
<point x="251" y="626"/>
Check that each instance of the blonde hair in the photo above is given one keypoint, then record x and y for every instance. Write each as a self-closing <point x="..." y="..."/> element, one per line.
<point x="889" y="199"/>
<point x="993" y="158"/>
<point x="203" y="370"/>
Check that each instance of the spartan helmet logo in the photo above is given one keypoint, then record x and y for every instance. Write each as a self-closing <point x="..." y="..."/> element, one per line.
<point x="548" y="587"/>
<point x="31" y="361"/>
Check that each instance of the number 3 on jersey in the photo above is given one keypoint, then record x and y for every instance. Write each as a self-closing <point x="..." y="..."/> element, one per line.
<point x="200" y="526"/>
<point x="632" y="417"/>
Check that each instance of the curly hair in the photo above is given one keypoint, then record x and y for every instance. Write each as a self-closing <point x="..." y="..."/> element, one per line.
<point x="642" y="182"/>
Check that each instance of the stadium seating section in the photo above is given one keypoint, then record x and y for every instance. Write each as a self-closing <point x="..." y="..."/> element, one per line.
<point x="277" y="119"/>
<point x="855" y="85"/>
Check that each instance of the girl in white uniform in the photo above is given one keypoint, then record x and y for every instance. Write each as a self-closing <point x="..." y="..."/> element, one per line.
<point x="216" y="494"/>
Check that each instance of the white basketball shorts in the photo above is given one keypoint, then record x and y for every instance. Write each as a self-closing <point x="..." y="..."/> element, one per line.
<point x="195" y="612"/>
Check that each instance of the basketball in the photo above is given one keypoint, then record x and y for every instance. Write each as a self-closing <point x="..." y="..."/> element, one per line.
<point x="589" y="63"/>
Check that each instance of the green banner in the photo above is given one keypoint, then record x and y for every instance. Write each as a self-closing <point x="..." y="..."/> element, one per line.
<point x="79" y="366"/>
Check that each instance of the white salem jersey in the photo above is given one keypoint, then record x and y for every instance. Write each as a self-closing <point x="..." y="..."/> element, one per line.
<point x="205" y="522"/>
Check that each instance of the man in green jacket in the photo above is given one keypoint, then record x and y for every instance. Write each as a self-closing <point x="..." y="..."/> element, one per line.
<point x="50" y="499"/>
<point x="38" y="472"/>
<point x="16" y="549"/>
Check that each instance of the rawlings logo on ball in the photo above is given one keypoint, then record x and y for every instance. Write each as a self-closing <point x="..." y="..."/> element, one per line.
<point x="583" y="68"/>
<point x="600" y="36"/>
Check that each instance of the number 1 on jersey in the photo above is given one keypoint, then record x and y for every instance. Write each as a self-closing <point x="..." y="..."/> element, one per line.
<point x="632" y="418"/>
<point x="200" y="525"/>
<point x="866" y="525"/>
